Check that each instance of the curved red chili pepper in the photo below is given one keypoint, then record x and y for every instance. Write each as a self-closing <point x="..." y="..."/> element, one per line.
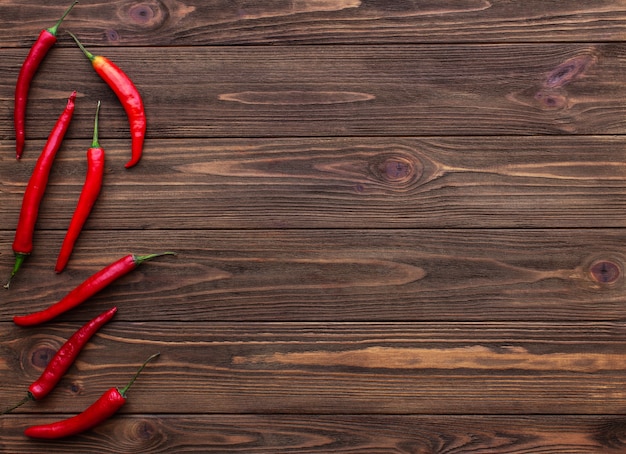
<point x="128" y="95"/>
<point x="102" y="409"/>
<point x="63" y="359"/>
<point x="87" y="199"/>
<point x="38" y="51"/>
<point x="88" y="288"/>
<point x="23" y="242"/>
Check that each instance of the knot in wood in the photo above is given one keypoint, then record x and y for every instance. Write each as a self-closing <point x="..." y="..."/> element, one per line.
<point x="112" y="36"/>
<point x="569" y="70"/>
<point x="41" y="356"/>
<point x="148" y="14"/>
<point x="76" y="388"/>
<point x="551" y="99"/>
<point x="398" y="169"/>
<point x="144" y="430"/>
<point x="605" y="271"/>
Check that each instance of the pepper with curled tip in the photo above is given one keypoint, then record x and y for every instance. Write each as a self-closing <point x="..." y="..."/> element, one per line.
<point x="128" y="95"/>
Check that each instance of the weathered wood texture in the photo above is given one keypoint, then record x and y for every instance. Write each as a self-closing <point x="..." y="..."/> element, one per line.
<point x="484" y="182"/>
<point x="418" y="275"/>
<point x="400" y="226"/>
<point x="388" y="90"/>
<point x="197" y="22"/>
<point x="337" y="434"/>
<point x="334" y="368"/>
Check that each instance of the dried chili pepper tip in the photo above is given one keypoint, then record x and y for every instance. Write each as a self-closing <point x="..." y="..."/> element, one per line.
<point x="106" y="406"/>
<point x="47" y="38"/>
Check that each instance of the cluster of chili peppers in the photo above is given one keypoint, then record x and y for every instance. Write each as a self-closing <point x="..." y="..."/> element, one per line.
<point x="113" y="399"/>
<point x="105" y="407"/>
<point x="130" y="99"/>
<point x="119" y="82"/>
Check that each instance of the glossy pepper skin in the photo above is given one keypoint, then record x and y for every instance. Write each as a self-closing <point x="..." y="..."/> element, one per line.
<point x="64" y="358"/>
<point x="23" y="242"/>
<point x="86" y="289"/>
<point x="106" y="406"/>
<point x="47" y="38"/>
<point x="128" y="95"/>
<point x="87" y="199"/>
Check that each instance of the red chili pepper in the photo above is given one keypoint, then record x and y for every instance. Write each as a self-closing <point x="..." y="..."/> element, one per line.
<point x="87" y="199"/>
<point x="106" y="406"/>
<point x="88" y="288"/>
<point x="63" y="359"/>
<point x="38" y="51"/>
<point x="128" y="95"/>
<point x="23" y="242"/>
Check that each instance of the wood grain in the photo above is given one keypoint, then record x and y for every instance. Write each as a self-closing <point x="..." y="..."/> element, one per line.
<point x="326" y="368"/>
<point x="399" y="225"/>
<point x="340" y="434"/>
<point x="437" y="182"/>
<point x="194" y="22"/>
<point x="307" y="91"/>
<point x="292" y="275"/>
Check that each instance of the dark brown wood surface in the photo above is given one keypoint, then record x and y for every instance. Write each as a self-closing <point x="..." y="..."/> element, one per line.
<point x="399" y="226"/>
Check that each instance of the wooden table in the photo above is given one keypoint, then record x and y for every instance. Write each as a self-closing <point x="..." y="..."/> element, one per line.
<point x="399" y="226"/>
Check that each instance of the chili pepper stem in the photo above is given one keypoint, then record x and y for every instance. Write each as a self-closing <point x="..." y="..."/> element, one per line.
<point x="53" y="30"/>
<point x="88" y="54"/>
<point x="124" y="390"/>
<point x="29" y="397"/>
<point x="94" y="142"/>
<point x="19" y="259"/>
<point x="139" y="259"/>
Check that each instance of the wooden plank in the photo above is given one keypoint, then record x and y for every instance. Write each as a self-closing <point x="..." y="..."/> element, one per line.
<point x="362" y="182"/>
<point x="338" y="434"/>
<point x="331" y="368"/>
<point x="335" y="275"/>
<point x="253" y="91"/>
<point x="399" y="226"/>
<point x="195" y="22"/>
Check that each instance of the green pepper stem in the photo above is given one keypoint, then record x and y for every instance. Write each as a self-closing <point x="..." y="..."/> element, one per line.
<point x="28" y="398"/>
<point x="88" y="54"/>
<point x="53" y="30"/>
<point x="94" y="143"/>
<point x="143" y="258"/>
<point x="124" y="390"/>
<point x="19" y="259"/>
